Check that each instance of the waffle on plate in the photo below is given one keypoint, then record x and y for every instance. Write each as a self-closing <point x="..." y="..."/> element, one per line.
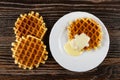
<point x="90" y="28"/>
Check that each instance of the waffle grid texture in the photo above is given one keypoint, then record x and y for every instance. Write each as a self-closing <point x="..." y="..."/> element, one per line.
<point x="90" y="28"/>
<point x="30" y="24"/>
<point x="29" y="50"/>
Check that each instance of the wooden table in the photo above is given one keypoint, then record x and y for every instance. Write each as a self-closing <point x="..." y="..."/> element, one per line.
<point x="107" y="10"/>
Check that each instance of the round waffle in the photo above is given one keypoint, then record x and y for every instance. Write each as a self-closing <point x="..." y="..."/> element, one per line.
<point x="90" y="28"/>
<point x="29" y="52"/>
<point x="30" y="24"/>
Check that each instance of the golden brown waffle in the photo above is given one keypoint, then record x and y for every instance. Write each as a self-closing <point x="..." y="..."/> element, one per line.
<point x="29" y="52"/>
<point x="30" y="24"/>
<point x="90" y="28"/>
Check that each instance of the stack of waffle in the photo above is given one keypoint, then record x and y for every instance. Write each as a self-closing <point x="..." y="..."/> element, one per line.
<point x="28" y="49"/>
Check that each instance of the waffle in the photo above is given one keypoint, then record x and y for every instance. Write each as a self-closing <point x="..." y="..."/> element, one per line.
<point x="30" y="24"/>
<point x="29" y="52"/>
<point x="90" y="28"/>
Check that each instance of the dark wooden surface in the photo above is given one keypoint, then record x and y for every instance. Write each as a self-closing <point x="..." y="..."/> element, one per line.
<point x="107" y="10"/>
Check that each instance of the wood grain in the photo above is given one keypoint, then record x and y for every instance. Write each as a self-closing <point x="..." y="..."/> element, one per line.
<point x="107" y="10"/>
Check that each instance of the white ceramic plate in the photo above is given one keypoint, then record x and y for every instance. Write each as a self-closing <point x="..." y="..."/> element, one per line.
<point x="87" y="60"/>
